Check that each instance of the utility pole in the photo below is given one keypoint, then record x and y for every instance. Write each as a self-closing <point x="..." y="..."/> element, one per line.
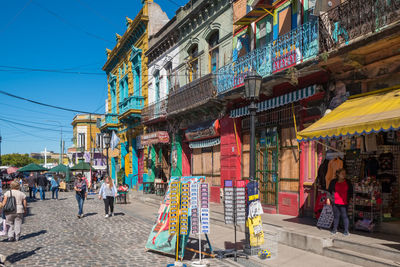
<point x="45" y="157"/>
<point x="0" y="151"/>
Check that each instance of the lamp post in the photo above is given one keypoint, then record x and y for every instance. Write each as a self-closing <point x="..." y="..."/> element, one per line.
<point x="252" y="85"/>
<point x="107" y="139"/>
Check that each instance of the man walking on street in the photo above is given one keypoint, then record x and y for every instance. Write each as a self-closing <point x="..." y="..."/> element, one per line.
<point x="32" y="186"/>
<point x="42" y="184"/>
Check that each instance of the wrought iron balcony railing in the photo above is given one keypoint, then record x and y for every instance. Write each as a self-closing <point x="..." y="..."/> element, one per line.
<point x="355" y="18"/>
<point x="155" y="110"/>
<point x="297" y="46"/>
<point x="132" y="102"/>
<point x="108" y="120"/>
<point x="192" y="94"/>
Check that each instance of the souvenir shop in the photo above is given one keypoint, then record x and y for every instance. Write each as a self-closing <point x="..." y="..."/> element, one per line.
<point x="362" y="136"/>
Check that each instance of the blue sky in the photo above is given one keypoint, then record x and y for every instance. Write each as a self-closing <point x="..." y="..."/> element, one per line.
<point x="59" y="35"/>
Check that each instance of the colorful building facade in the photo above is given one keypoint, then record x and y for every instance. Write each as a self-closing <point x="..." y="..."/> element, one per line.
<point x="87" y="142"/>
<point x="127" y="72"/>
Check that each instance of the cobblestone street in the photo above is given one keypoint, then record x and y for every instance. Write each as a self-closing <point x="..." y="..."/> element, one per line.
<point x="52" y="235"/>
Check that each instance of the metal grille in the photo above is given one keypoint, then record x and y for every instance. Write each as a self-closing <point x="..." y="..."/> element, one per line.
<point x="355" y="18"/>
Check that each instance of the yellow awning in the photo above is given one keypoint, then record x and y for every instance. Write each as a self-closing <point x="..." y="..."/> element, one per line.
<point x="359" y="115"/>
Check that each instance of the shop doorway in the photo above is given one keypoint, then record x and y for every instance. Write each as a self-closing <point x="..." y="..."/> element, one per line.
<point x="267" y="162"/>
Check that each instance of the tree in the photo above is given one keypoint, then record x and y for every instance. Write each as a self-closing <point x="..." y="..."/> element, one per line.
<point x="17" y="160"/>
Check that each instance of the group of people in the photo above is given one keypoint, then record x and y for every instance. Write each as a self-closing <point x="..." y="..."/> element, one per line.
<point x="107" y="192"/>
<point x="40" y="183"/>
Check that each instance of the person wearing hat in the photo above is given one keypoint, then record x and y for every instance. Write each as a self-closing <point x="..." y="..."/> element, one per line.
<point x="14" y="219"/>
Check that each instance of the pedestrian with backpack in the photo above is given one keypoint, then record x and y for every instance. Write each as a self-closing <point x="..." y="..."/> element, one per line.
<point x="15" y="207"/>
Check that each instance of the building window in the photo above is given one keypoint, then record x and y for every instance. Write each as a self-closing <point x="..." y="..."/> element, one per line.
<point x="113" y="97"/>
<point x="82" y="140"/>
<point x="264" y="31"/>
<point x="136" y="80"/>
<point x="99" y="140"/>
<point x="213" y="53"/>
<point x="193" y="62"/>
<point x="285" y="21"/>
<point x="157" y="86"/>
<point x="168" y="68"/>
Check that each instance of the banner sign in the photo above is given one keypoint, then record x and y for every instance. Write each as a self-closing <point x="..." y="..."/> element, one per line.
<point x="228" y="204"/>
<point x="163" y="236"/>
<point x="155" y="138"/>
<point x="194" y="207"/>
<point x="203" y="130"/>
<point x="174" y="208"/>
<point x="204" y="208"/>
<point x="184" y="215"/>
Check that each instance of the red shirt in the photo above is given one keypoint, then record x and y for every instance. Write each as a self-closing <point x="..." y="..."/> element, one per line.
<point x="341" y="193"/>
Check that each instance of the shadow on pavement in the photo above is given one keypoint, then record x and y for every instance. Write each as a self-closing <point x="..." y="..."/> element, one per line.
<point x="90" y="214"/>
<point x="21" y="255"/>
<point x="33" y="234"/>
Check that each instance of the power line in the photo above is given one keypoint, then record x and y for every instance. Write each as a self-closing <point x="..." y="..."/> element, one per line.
<point x="47" y="105"/>
<point x="15" y="16"/>
<point x="30" y="110"/>
<point x="30" y="134"/>
<point x="70" y="24"/>
<point x="26" y="125"/>
<point x="15" y="68"/>
<point x="35" y="122"/>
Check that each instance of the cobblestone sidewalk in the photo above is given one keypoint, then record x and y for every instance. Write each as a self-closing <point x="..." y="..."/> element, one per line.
<point x="52" y="235"/>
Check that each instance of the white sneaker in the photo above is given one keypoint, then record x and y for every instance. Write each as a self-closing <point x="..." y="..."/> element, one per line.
<point x="107" y="216"/>
<point x="2" y="258"/>
<point x="112" y="214"/>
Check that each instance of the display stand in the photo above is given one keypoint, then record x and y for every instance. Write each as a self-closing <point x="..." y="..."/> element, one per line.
<point x="365" y="208"/>
<point x="235" y="213"/>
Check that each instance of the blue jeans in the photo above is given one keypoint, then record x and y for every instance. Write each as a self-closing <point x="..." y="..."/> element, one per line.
<point x="42" y="192"/>
<point x="340" y="211"/>
<point x="54" y="191"/>
<point x="80" y="200"/>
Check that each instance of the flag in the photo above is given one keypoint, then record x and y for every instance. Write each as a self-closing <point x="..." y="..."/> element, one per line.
<point x="114" y="140"/>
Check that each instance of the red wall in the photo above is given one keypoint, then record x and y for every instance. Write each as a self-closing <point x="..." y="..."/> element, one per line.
<point x="230" y="150"/>
<point x="288" y="203"/>
<point x="186" y="159"/>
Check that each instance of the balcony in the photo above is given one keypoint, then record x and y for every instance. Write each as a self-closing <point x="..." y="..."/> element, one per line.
<point x="288" y="50"/>
<point x="155" y="111"/>
<point x="192" y="95"/>
<point x="109" y="122"/>
<point x="356" y="18"/>
<point x="131" y="108"/>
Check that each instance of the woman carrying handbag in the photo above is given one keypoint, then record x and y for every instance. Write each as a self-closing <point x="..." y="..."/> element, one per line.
<point x="15" y="207"/>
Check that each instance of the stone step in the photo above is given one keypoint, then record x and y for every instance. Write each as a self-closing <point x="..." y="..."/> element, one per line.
<point x="358" y="258"/>
<point x="376" y="251"/>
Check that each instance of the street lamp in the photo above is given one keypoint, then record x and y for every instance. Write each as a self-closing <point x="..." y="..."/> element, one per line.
<point x="252" y="85"/>
<point x="107" y="139"/>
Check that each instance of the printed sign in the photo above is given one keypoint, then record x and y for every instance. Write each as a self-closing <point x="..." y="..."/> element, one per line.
<point x="184" y="226"/>
<point x="174" y="208"/>
<point x="194" y="190"/>
<point x="204" y="208"/>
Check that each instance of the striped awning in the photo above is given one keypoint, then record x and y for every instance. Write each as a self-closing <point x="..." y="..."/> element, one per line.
<point x="205" y="143"/>
<point x="276" y="101"/>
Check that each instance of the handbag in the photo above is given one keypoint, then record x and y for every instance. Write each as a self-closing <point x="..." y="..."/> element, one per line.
<point x="326" y="218"/>
<point x="11" y="205"/>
